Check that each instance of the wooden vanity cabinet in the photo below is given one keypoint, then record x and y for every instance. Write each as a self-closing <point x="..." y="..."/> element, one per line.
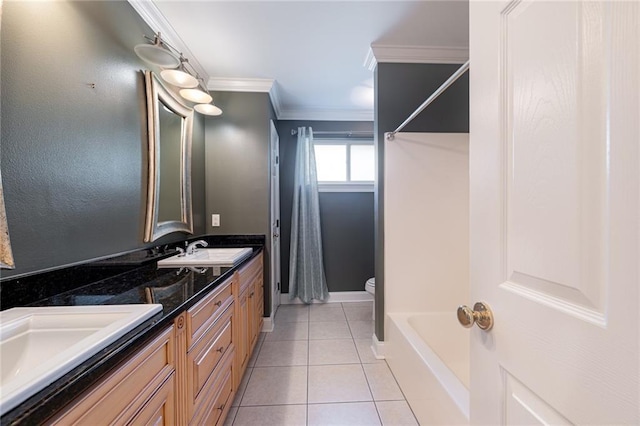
<point x="189" y="373"/>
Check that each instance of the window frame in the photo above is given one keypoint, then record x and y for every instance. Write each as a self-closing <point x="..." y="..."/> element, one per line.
<point x="348" y="185"/>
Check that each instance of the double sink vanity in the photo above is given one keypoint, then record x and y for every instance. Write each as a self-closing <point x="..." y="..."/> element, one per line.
<point x="164" y="342"/>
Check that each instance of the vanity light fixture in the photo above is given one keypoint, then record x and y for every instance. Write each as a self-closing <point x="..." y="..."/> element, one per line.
<point x="196" y="95"/>
<point x="180" y="77"/>
<point x="208" y="109"/>
<point x="176" y="73"/>
<point x="158" y="53"/>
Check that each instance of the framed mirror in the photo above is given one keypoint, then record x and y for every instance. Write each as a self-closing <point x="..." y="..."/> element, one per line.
<point x="170" y="128"/>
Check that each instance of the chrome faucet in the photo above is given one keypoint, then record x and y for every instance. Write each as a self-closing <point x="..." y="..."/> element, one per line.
<point x="193" y="247"/>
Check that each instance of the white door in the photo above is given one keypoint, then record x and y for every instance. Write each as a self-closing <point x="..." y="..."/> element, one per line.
<point x="554" y="231"/>
<point x="275" y="219"/>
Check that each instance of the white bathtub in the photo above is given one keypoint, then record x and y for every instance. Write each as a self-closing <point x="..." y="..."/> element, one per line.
<point x="429" y="356"/>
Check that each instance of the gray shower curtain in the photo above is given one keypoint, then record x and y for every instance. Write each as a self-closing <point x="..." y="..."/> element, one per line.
<point x="306" y="267"/>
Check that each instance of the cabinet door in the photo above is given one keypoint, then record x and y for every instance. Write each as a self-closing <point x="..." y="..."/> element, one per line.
<point x="243" y="326"/>
<point x="256" y="309"/>
<point x="253" y="320"/>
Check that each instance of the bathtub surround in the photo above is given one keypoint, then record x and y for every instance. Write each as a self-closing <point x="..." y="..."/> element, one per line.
<point x="427" y="271"/>
<point x="306" y="267"/>
<point x="399" y="90"/>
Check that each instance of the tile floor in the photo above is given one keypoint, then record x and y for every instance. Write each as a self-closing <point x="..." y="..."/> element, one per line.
<point x="317" y="368"/>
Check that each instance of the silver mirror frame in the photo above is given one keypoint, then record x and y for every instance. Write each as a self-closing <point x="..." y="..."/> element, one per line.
<point x="6" y="254"/>
<point x="156" y="92"/>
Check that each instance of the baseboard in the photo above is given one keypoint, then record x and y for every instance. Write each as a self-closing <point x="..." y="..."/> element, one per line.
<point x="334" y="297"/>
<point x="268" y="324"/>
<point x="377" y="347"/>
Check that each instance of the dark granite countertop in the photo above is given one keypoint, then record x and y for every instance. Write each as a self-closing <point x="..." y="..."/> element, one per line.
<point x="177" y="290"/>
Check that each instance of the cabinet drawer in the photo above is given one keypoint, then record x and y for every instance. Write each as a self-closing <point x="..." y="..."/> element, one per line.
<point x="206" y="311"/>
<point x="208" y="352"/>
<point x="117" y="398"/>
<point x="214" y="408"/>
<point x="160" y="410"/>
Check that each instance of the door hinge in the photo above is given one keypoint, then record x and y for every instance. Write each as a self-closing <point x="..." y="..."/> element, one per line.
<point x="277" y="223"/>
<point x="278" y="286"/>
<point x="277" y="159"/>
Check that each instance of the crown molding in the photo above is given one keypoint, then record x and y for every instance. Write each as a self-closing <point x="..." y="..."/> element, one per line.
<point x="326" y="114"/>
<point x="150" y="13"/>
<point x="261" y="85"/>
<point x="415" y="55"/>
<point x="274" y="95"/>
<point x="370" y="61"/>
<point x="256" y="85"/>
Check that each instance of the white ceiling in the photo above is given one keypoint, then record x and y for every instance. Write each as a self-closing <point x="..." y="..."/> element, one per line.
<point x="313" y="52"/>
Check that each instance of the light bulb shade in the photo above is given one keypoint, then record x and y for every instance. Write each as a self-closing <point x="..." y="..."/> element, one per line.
<point x="157" y="55"/>
<point x="179" y="78"/>
<point x="208" y="109"/>
<point x="196" y="95"/>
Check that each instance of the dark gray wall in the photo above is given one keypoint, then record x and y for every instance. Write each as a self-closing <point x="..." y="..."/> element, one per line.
<point x="399" y="90"/>
<point x="346" y="218"/>
<point x="74" y="157"/>
<point x="237" y="172"/>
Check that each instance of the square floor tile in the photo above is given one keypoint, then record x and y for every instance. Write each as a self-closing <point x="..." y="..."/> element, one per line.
<point x="289" y="331"/>
<point x="283" y="353"/>
<point x="382" y="383"/>
<point x="275" y="415"/>
<point x="329" y="330"/>
<point x="361" y="329"/>
<point x="347" y="305"/>
<point x="292" y="313"/>
<point x="338" y="383"/>
<point x="348" y="414"/>
<point x="254" y="354"/>
<point x="396" y="413"/>
<point x="334" y="351"/>
<point x="359" y="313"/>
<point x="329" y="312"/>
<point x="276" y="385"/>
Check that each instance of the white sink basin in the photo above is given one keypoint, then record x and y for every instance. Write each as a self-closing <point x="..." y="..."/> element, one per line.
<point x="39" y="345"/>
<point x="205" y="257"/>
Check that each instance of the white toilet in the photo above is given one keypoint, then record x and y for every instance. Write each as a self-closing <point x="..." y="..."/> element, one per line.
<point x="370" y="287"/>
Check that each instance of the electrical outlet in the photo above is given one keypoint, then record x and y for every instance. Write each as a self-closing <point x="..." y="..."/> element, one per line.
<point x="215" y="220"/>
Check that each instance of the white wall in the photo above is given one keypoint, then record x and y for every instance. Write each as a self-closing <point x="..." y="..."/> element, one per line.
<point x="426" y="222"/>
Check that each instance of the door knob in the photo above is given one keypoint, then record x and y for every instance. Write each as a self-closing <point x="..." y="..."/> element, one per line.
<point x="276" y="235"/>
<point x="480" y="314"/>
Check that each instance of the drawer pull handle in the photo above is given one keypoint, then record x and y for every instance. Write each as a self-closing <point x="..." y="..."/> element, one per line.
<point x="218" y="303"/>
<point x="220" y="349"/>
<point x="221" y="407"/>
<point x="251" y="295"/>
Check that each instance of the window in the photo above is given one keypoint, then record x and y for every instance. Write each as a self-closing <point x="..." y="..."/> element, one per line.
<point x="345" y="165"/>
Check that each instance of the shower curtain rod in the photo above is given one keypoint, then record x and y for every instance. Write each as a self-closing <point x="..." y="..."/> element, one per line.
<point x="456" y="75"/>
<point x="347" y="133"/>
